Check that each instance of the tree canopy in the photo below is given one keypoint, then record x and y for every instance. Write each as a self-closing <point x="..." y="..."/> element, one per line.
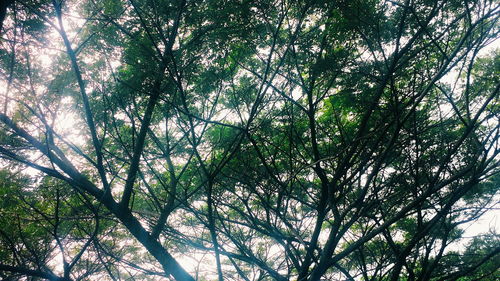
<point x="248" y="139"/>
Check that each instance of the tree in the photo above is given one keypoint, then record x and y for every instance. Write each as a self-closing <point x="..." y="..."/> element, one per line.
<point x="248" y="140"/>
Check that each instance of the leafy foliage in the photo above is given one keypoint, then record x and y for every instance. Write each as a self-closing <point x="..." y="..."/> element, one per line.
<point x="248" y="140"/>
